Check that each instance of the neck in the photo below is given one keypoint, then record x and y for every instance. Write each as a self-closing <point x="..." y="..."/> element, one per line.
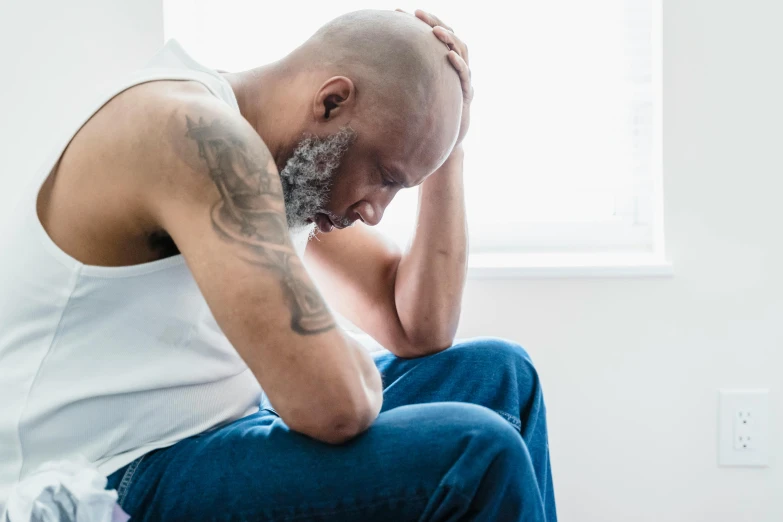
<point x="261" y="101"/>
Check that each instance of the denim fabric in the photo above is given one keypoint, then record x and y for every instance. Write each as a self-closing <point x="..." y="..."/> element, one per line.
<point x="445" y="447"/>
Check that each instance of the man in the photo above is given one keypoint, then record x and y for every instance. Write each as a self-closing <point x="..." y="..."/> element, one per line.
<point x="159" y="282"/>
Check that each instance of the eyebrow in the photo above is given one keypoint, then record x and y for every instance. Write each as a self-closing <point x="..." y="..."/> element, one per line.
<point x="396" y="176"/>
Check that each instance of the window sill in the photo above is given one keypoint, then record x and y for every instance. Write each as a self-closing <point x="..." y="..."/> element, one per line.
<point x="553" y="266"/>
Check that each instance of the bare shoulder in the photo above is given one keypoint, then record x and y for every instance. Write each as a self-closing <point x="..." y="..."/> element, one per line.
<point x="207" y="154"/>
<point x="167" y="126"/>
<point x="136" y="151"/>
<point x="200" y="137"/>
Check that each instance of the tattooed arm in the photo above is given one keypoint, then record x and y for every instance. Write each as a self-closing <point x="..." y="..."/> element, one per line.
<point x="221" y="201"/>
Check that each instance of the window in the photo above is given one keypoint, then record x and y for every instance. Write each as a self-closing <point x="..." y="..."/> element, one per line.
<point x="562" y="155"/>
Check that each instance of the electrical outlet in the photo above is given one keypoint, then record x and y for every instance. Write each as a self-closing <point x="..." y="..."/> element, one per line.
<point x="743" y="428"/>
<point x="744" y="436"/>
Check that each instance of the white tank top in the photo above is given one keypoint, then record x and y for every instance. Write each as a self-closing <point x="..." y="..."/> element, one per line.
<point x="109" y="362"/>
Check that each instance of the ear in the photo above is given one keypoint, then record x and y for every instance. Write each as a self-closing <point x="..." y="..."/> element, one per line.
<point x="336" y="96"/>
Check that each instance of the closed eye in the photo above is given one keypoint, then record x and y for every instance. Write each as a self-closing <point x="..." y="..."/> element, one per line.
<point x="386" y="181"/>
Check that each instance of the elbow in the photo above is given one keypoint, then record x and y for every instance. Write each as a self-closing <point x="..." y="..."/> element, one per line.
<point x="428" y="329"/>
<point x="344" y="426"/>
<point x="336" y="425"/>
<point x="427" y="337"/>
<point x="424" y="343"/>
<point x="341" y="431"/>
<point x="443" y="337"/>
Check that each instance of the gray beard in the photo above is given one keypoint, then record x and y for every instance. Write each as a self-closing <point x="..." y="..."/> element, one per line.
<point x="308" y="174"/>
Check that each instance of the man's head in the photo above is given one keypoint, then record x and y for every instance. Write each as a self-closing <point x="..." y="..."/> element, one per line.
<point x="377" y="108"/>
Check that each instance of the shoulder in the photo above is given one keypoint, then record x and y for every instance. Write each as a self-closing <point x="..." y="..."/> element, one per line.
<point x="172" y="117"/>
<point x="201" y="151"/>
<point x="155" y="118"/>
<point x="187" y="135"/>
<point x="151" y="146"/>
<point x="143" y="130"/>
<point x="132" y="152"/>
<point x="192" y="127"/>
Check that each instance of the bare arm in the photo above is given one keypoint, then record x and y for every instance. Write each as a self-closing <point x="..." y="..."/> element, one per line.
<point x="431" y="275"/>
<point x="409" y="302"/>
<point x="221" y="201"/>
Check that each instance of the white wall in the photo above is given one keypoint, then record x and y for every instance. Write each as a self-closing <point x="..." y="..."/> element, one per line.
<point x="631" y="368"/>
<point x="54" y="56"/>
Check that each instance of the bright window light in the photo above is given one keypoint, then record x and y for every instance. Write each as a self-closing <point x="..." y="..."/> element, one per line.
<point x="561" y="153"/>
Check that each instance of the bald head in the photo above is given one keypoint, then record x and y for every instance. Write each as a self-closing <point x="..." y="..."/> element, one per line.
<point x="369" y="105"/>
<point x="393" y="58"/>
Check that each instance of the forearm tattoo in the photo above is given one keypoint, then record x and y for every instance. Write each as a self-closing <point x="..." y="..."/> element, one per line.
<point x="251" y="214"/>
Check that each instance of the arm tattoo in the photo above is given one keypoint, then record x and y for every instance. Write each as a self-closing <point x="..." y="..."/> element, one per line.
<point x="251" y="213"/>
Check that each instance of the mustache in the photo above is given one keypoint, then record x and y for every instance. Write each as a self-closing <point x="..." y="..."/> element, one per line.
<point x="340" y="221"/>
<point x="308" y="175"/>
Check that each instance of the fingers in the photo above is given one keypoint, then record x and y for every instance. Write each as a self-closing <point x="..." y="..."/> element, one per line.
<point x="464" y="74"/>
<point x="452" y="41"/>
<point x="431" y="19"/>
<point x="444" y="33"/>
<point x="458" y="51"/>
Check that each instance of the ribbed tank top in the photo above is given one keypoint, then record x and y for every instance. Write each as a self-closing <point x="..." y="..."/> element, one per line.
<point x="109" y="362"/>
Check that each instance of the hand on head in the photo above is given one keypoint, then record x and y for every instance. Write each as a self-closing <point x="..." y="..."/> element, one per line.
<point x="458" y="56"/>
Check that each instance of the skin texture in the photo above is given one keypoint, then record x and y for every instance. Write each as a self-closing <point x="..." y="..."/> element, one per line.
<point x="165" y="168"/>
<point x="408" y="131"/>
<point x="381" y="73"/>
<point x="250" y="214"/>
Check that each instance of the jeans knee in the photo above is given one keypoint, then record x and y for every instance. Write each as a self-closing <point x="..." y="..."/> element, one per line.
<point x="467" y="448"/>
<point x="486" y="439"/>
<point x="480" y="423"/>
<point x="495" y="351"/>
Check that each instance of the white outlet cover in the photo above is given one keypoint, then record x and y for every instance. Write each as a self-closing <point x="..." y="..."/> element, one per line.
<point x="743" y="413"/>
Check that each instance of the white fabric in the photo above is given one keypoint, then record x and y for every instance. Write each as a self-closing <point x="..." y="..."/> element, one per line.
<point x="109" y="362"/>
<point x="63" y="491"/>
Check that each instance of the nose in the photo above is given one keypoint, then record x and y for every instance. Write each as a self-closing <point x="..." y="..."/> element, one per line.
<point x="369" y="213"/>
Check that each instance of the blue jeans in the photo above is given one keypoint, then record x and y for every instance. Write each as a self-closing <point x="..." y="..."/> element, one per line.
<point x="445" y="447"/>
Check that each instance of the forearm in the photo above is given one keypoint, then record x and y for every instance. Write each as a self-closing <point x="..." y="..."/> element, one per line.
<point x="339" y="402"/>
<point x="371" y="377"/>
<point x="431" y="274"/>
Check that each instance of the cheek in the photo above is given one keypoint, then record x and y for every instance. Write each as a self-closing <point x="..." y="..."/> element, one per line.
<point x="349" y="186"/>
